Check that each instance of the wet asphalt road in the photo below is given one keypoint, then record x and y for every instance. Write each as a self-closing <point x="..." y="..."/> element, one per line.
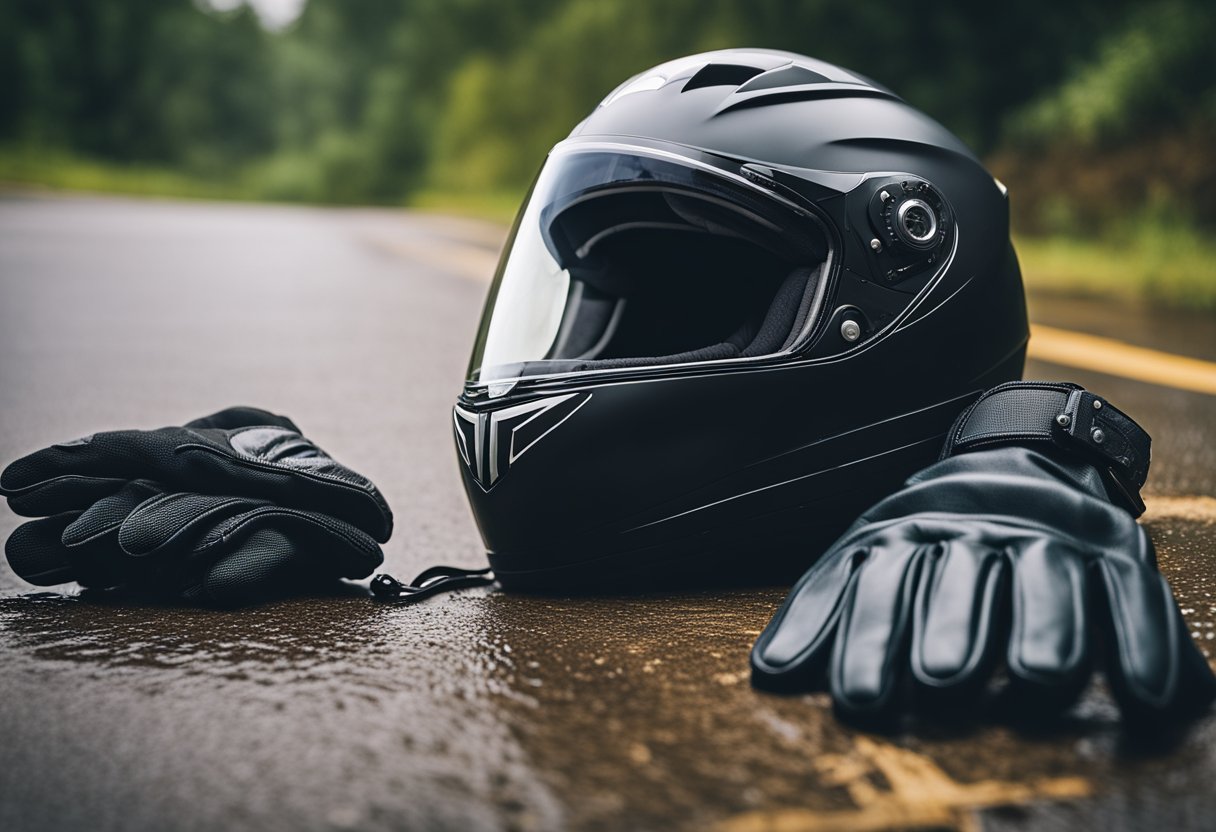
<point x="480" y="710"/>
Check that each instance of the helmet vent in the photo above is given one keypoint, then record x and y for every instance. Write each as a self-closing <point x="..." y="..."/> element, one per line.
<point x="717" y="75"/>
<point x="786" y="76"/>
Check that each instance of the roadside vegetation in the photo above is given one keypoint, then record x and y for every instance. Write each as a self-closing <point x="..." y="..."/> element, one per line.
<point x="1100" y="115"/>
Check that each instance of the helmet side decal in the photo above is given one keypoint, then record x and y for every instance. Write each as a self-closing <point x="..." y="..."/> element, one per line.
<point x="489" y="443"/>
<point x="892" y="435"/>
<point x="468" y="438"/>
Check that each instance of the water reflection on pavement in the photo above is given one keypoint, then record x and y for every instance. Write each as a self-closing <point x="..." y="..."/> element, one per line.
<point x="487" y="710"/>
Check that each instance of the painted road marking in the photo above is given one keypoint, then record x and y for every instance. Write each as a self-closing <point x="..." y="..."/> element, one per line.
<point x="1115" y="358"/>
<point x="916" y="794"/>
<point x="1198" y="509"/>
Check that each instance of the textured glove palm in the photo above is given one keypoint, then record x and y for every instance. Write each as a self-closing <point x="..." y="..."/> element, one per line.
<point x="1008" y="553"/>
<point x="124" y="509"/>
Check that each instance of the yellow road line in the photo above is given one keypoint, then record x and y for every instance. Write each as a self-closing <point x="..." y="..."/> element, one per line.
<point x="1106" y="355"/>
<point x="1200" y="509"/>
<point x="914" y="793"/>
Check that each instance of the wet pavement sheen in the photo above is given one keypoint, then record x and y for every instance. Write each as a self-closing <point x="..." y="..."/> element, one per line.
<point x="480" y="710"/>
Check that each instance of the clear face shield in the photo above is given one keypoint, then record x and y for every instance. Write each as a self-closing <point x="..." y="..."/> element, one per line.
<point x="628" y="256"/>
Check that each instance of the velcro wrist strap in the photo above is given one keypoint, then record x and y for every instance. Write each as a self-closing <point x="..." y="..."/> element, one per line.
<point x="1067" y="417"/>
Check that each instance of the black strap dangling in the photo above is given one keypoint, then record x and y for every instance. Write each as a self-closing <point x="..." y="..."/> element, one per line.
<point x="432" y="581"/>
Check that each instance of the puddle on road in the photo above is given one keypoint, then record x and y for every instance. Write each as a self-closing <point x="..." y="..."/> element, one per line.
<point x="486" y="710"/>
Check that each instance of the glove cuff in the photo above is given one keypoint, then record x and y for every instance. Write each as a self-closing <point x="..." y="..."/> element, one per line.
<point x="1066" y="417"/>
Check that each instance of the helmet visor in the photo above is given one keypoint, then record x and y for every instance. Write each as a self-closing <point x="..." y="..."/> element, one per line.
<point x="628" y="257"/>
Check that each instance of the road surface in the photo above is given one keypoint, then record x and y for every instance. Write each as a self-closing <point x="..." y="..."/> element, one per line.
<point x="480" y="710"/>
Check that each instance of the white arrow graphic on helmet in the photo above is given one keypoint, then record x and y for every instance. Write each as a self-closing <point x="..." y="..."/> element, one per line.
<point x="480" y="437"/>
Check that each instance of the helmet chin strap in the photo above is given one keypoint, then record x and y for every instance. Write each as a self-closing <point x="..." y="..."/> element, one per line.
<point x="432" y="581"/>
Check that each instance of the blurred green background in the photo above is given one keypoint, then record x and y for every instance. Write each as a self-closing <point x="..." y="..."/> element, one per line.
<point x="1100" y="116"/>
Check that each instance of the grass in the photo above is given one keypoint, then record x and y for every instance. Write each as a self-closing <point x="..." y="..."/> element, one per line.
<point x="55" y="170"/>
<point x="61" y="171"/>
<point x="498" y="207"/>
<point x="1166" y="267"/>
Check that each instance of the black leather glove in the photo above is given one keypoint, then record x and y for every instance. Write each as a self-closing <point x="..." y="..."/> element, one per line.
<point x="106" y="532"/>
<point x="1019" y="546"/>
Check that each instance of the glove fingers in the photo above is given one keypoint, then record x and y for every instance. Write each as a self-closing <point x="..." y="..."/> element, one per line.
<point x="794" y="649"/>
<point x="60" y="493"/>
<point x="1151" y="665"/>
<point x="869" y="656"/>
<point x="324" y="545"/>
<point x="957" y="627"/>
<point x="275" y="551"/>
<point x="72" y="474"/>
<point x="105" y="515"/>
<point x="257" y="569"/>
<point x="36" y="553"/>
<point x="1049" y="657"/>
<point x="173" y="523"/>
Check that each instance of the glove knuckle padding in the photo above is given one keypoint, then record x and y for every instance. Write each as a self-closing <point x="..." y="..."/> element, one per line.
<point x="272" y="444"/>
<point x="241" y="416"/>
<point x="281" y="465"/>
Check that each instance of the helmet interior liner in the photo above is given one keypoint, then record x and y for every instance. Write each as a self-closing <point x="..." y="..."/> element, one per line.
<point x="753" y="337"/>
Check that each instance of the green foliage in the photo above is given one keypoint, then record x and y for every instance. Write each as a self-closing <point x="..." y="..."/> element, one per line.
<point x="141" y="80"/>
<point x="504" y="114"/>
<point x="1094" y="111"/>
<point x="1155" y="68"/>
<point x="39" y="167"/>
<point x="1171" y="265"/>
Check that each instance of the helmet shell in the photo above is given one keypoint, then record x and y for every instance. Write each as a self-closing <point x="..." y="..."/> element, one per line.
<point x="745" y="470"/>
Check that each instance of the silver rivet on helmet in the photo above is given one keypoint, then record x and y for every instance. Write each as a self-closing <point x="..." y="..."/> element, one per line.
<point x="1097" y="404"/>
<point x="850" y="331"/>
<point x="1063" y="420"/>
<point x="1098" y="436"/>
<point x="876" y="244"/>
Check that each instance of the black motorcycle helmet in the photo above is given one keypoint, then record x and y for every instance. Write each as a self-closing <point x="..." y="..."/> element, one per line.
<point x="742" y="301"/>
